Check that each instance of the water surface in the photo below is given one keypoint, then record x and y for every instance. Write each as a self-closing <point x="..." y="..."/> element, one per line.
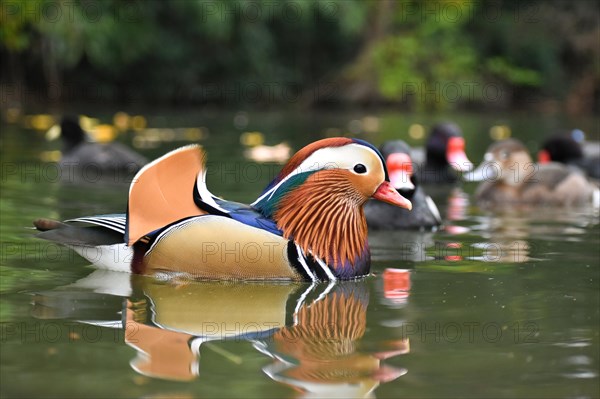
<point x="494" y="305"/>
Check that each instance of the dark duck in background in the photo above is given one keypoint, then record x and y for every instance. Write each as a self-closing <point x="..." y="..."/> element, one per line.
<point x="565" y="149"/>
<point x="79" y="152"/>
<point x="445" y="155"/>
<point x="424" y="213"/>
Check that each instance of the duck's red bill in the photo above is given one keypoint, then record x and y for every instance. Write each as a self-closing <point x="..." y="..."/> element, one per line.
<point x="400" y="170"/>
<point x="387" y="193"/>
<point x="544" y="156"/>
<point x="455" y="155"/>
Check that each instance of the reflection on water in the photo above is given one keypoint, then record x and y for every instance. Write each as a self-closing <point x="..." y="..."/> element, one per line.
<point x="312" y="333"/>
<point x="505" y="251"/>
<point x="403" y="245"/>
<point x="509" y="233"/>
<point x="320" y="353"/>
<point x="395" y="287"/>
<point x="507" y="239"/>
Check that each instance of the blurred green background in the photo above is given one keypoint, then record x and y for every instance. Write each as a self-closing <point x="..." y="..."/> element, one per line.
<point x="432" y="55"/>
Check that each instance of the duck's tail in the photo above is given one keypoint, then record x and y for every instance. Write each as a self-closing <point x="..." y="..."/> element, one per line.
<point x="48" y="224"/>
<point x="101" y="243"/>
<point x="103" y="232"/>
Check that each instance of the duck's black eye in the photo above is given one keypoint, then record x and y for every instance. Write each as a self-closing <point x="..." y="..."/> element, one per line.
<point x="360" y="168"/>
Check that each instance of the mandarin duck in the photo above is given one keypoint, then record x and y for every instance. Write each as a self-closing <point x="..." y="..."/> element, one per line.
<point x="565" y="149"/>
<point x="444" y="155"/>
<point x="509" y="176"/>
<point x="424" y="213"/>
<point x="79" y="152"/>
<point x="308" y="224"/>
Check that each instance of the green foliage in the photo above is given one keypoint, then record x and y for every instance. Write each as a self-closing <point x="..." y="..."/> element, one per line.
<point x="427" y="52"/>
<point x="230" y="51"/>
<point x="513" y="74"/>
<point x="14" y="35"/>
<point x="410" y="70"/>
<point x="173" y="50"/>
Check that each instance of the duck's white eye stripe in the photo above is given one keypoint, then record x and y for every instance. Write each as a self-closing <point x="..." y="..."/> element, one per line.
<point x="344" y="157"/>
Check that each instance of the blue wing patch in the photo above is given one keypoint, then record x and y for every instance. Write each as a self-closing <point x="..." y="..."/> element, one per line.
<point x="237" y="211"/>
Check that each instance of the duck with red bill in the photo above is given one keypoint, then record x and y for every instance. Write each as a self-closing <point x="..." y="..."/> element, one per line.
<point x="564" y="148"/>
<point x="446" y="157"/>
<point x="424" y="213"/>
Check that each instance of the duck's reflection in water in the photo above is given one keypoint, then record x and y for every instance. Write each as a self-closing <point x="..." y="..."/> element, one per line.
<point x="320" y="353"/>
<point x="168" y="324"/>
<point x="312" y="332"/>
<point x="457" y="207"/>
<point x="395" y="287"/>
<point x="503" y="251"/>
<point x="509" y="232"/>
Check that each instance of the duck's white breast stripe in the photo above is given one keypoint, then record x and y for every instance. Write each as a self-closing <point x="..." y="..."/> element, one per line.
<point x="325" y="268"/>
<point x="302" y="260"/>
